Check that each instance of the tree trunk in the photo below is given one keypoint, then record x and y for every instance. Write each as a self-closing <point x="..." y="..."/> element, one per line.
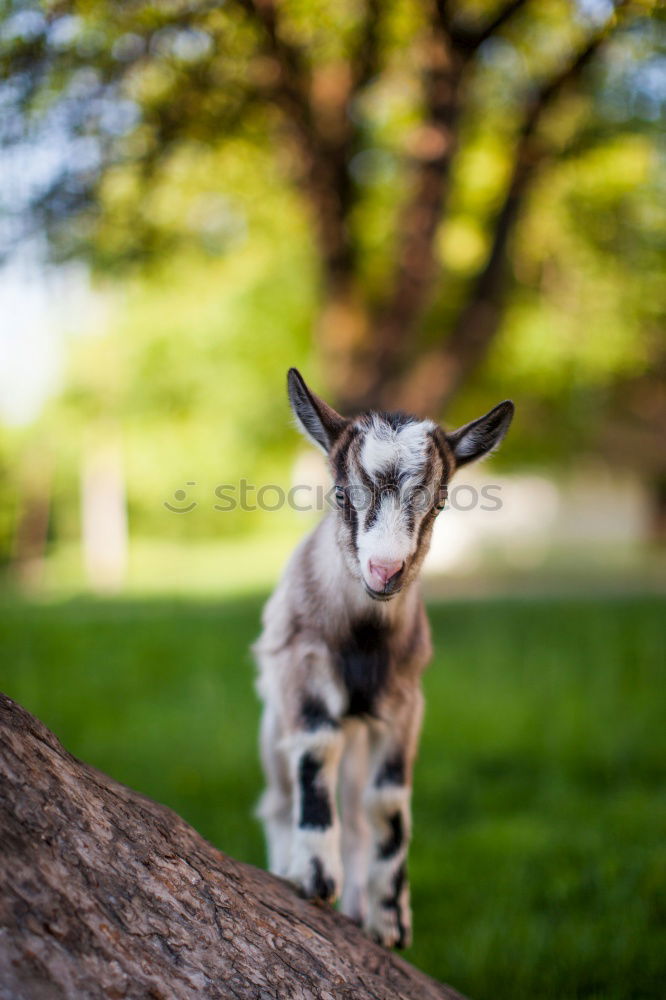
<point x="107" y="894"/>
<point x="32" y="528"/>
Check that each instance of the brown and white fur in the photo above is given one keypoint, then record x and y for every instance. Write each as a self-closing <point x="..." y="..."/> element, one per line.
<point x="345" y="640"/>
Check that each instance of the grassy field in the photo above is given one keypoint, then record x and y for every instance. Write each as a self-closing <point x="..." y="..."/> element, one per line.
<point x="539" y="856"/>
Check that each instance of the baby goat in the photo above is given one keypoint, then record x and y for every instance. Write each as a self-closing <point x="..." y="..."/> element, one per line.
<point x="345" y="640"/>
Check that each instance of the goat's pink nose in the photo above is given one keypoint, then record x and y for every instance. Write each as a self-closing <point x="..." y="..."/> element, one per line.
<point x="381" y="572"/>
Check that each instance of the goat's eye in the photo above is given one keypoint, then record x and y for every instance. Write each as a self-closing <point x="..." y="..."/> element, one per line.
<point x="340" y="495"/>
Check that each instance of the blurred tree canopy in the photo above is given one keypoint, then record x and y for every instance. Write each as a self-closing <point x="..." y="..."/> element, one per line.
<point x="447" y="194"/>
<point x="411" y="132"/>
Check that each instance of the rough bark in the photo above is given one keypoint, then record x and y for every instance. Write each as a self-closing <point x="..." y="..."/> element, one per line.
<point x="107" y="894"/>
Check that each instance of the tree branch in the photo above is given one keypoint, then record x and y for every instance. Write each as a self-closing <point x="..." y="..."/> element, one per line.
<point x="107" y="894"/>
<point x="432" y="150"/>
<point x="322" y="153"/>
<point x="438" y="375"/>
<point x="448" y="50"/>
<point x="291" y="86"/>
<point x="365" y="60"/>
<point x="468" y="39"/>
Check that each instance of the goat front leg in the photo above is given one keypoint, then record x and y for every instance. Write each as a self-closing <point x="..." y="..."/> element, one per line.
<point x="355" y="832"/>
<point x="275" y="807"/>
<point x="388" y="804"/>
<point x="314" y="757"/>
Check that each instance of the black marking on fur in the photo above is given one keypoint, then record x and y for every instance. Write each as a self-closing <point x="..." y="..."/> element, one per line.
<point x="323" y="886"/>
<point x="395" y="839"/>
<point x="339" y="464"/>
<point x="425" y="527"/>
<point x="338" y="458"/>
<point x="392" y="902"/>
<point x="351" y="516"/>
<point x="384" y="485"/>
<point x="315" y="715"/>
<point x="392" y="771"/>
<point x="363" y="662"/>
<point x="315" y="803"/>
<point x="438" y="438"/>
<point x="408" y="515"/>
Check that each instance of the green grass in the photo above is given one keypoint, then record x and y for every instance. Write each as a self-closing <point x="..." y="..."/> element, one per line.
<point x="539" y="855"/>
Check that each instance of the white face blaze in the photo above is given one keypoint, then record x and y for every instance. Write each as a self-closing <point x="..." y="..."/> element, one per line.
<point x="395" y="460"/>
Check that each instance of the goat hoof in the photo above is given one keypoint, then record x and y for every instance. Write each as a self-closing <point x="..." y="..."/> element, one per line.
<point x="316" y="883"/>
<point x="390" y="927"/>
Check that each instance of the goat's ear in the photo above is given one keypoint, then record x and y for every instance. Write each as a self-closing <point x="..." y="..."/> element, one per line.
<point x="481" y="436"/>
<point x="317" y="420"/>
